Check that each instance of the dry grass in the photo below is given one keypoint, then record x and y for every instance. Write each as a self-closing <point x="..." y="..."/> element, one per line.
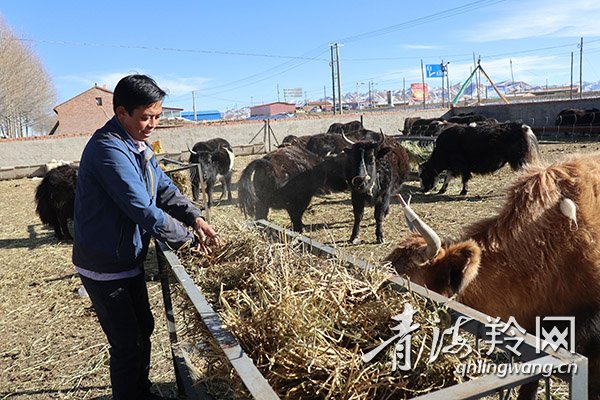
<point x="307" y="321"/>
<point x="52" y="346"/>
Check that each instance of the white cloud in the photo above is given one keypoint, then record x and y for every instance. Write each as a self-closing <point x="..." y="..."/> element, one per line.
<point x="178" y="86"/>
<point x="173" y="85"/>
<point x="532" y="18"/>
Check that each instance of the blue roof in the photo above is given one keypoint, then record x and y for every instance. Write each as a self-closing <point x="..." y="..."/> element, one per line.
<point x="205" y="112"/>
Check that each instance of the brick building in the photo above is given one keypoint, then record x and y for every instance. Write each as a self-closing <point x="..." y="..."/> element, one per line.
<point x="273" y="109"/>
<point x="84" y="113"/>
<point x="88" y="111"/>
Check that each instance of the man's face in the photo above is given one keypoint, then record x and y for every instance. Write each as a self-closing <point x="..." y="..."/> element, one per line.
<point x="142" y="121"/>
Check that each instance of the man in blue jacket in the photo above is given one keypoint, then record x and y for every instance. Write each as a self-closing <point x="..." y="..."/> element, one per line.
<point x="122" y="199"/>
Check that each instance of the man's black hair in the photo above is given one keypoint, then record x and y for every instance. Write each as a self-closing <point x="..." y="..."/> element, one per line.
<point x="136" y="90"/>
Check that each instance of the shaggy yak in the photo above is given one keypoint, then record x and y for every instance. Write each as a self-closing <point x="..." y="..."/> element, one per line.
<point x="55" y="199"/>
<point x="538" y="257"/>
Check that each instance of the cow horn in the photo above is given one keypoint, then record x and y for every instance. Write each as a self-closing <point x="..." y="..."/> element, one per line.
<point x="346" y="139"/>
<point x="382" y="136"/>
<point x="434" y="244"/>
<point x="190" y="150"/>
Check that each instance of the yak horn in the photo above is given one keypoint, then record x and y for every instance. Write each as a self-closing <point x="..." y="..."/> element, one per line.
<point x="434" y="244"/>
<point x="382" y="137"/>
<point x="190" y="150"/>
<point x="346" y="139"/>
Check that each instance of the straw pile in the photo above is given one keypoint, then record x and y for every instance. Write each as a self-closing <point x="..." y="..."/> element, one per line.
<point x="306" y="322"/>
<point x="181" y="179"/>
<point x="417" y="153"/>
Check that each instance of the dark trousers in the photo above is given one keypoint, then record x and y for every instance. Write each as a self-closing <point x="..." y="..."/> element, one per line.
<point x="124" y="312"/>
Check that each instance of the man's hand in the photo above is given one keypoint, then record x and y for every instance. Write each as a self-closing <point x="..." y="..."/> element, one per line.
<point x="207" y="237"/>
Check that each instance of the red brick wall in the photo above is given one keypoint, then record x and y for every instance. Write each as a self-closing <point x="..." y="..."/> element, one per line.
<point x="282" y="108"/>
<point x="273" y="109"/>
<point x="82" y="115"/>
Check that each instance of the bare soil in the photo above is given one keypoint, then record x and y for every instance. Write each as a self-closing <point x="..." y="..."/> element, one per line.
<point x="51" y="344"/>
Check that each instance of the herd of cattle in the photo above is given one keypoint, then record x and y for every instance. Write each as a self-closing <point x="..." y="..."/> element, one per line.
<point x="348" y="157"/>
<point x="537" y="257"/>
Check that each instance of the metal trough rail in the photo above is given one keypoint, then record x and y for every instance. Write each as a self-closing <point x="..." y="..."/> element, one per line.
<point x="473" y="389"/>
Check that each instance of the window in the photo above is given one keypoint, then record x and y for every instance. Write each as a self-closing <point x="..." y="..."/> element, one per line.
<point x="98" y="101"/>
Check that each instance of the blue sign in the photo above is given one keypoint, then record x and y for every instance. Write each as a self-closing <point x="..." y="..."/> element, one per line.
<point x="434" y="71"/>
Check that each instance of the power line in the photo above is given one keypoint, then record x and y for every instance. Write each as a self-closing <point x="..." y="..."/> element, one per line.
<point x="423" y="20"/>
<point x="171" y="49"/>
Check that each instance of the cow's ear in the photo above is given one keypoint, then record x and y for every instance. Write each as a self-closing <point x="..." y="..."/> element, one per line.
<point x="462" y="261"/>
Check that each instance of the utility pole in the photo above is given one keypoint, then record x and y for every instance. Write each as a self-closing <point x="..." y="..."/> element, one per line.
<point x="448" y="82"/>
<point x="371" y="90"/>
<point x="477" y="78"/>
<point x="339" y="83"/>
<point x="324" y="94"/>
<point x="332" y="63"/>
<point x="571" y="89"/>
<point x="423" y="82"/>
<point x="443" y="94"/>
<point x="581" y="69"/>
<point x="470" y="73"/>
<point x="278" y="92"/>
<point x="358" y="95"/>
<point x="194" y="105"/>
<point x="512" y="77"/>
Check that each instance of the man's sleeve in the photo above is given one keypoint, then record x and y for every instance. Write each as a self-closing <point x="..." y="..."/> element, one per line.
<point x="170" y="199"/>
<point x="123" y="183"/>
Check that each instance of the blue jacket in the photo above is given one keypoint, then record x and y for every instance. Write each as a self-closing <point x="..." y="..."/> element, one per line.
<point x="119" y="202"/>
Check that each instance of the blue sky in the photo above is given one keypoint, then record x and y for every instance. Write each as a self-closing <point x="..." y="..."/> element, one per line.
<point x="235" y="54"/>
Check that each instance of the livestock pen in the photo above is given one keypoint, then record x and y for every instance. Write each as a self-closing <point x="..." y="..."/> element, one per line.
<point x="52" y="347"/>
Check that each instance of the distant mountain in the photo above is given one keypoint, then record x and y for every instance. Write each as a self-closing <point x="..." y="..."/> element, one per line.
<point x="507" y="88"/>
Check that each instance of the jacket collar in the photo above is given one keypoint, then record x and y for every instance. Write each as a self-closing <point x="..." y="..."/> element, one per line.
<point x="116" y="127"/>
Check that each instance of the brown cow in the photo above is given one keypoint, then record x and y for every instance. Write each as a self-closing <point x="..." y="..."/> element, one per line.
<point x="539" y="256"/>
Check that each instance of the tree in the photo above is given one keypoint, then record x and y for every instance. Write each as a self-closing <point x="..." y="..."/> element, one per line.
<point x="27" y="94"/>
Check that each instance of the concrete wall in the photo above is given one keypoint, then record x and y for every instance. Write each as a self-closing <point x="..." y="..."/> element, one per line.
<point x="537" y="115"/>
<point x="18" y="157"/>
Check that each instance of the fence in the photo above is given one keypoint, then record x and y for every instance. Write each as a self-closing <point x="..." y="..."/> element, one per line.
<point x="259" y="387"/>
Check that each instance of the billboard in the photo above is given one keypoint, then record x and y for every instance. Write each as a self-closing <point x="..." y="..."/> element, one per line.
<point x="295" y="92"/>
<point x="418" y="90"/>
<point x="434" y="71"/>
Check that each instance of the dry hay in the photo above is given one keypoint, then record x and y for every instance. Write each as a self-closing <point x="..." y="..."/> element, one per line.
<point x="181" y="179"/>
<point x="306" y="322"/>
<point x="417" y="153"/>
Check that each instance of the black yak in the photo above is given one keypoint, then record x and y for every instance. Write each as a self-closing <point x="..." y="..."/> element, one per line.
<point x="55" y="199"/>
<point x="216" y="158"/>
<point x="482" y="149"/>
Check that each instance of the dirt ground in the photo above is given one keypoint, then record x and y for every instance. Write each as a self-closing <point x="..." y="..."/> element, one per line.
<point x="51" y="345"/>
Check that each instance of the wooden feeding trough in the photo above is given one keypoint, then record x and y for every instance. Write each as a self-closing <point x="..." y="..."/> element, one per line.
<point x="259" y="388"/>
